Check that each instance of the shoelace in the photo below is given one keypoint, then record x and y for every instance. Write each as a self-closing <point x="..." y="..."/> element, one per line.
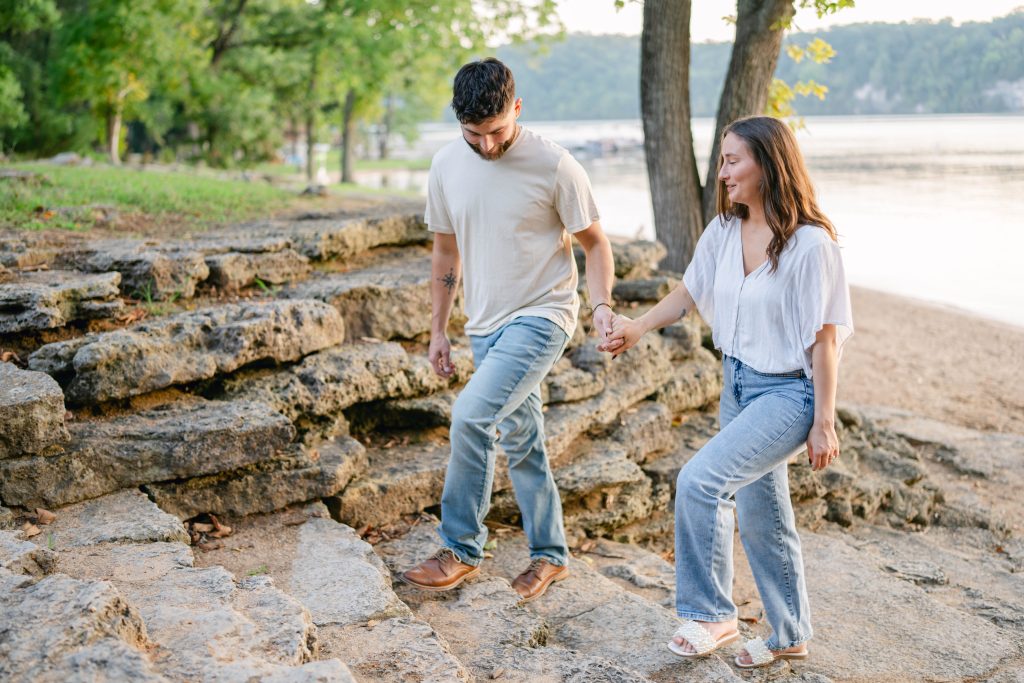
<point x="441" y="555"/>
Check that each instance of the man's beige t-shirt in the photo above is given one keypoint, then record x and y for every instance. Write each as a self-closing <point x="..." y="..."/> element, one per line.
<point x="511" y="219"/>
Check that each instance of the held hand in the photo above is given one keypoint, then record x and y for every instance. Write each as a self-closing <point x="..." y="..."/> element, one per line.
<point x="603" y="317"/>
<point x="822" y="445"/>
<point x="440" y="355"/>
<point x="625" y="333"/>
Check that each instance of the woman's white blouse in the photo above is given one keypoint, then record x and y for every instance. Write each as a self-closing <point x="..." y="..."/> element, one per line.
<point x="767" y="319"/>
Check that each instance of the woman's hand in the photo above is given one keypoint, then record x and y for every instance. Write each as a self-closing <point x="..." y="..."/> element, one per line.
<point x="822" y="445"/>
<point x="625" y="333"/>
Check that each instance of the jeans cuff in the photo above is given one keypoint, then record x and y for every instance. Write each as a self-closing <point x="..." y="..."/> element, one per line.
<point x="797" y="641"/>
<point x="700" y="616"/>
<point x="558" y="562"/>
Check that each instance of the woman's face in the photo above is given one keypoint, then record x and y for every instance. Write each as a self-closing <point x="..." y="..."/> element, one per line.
<point x="740" y="172"/>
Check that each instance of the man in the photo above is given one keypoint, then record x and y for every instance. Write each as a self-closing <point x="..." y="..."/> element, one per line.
<point x="500" y="203"/>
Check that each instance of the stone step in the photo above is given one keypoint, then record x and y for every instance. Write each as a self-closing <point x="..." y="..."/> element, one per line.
<point x="322" y="237"/>
<point x="317" y="390"/>
<point x="585" y="628"/>
<point x="348" y="591"/>
<point x="187" y="347"/>
<point x="297" y="474"/>
<point x="47" y="299"/>
<point x="201" y="624"/>
<point x="633" y="260"/>
<point x="31" y="412"/>
<point x="388" y="300"/>
<point x="234" y="270"/>
<point x="150" y="270"/>
<point x="653" y="288"/>
<point x="176" y="441"/>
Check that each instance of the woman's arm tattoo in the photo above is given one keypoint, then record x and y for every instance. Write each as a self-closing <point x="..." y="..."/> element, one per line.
<point x="449" y="280"/>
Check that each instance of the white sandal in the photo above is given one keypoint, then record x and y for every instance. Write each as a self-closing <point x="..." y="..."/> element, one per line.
<point x="699" y="638"/>
<point x="760" y="655"/>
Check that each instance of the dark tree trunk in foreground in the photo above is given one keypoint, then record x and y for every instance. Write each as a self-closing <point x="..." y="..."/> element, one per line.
<point x="668" y="141"/>
<point x="348" y="133"/>
<point x="755" y="54"/>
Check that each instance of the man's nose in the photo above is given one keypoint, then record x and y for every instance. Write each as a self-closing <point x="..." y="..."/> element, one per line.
<point x="487" y="143"/>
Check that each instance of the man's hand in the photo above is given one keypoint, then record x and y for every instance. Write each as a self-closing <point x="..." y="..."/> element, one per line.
<point x="603" y="317"/>
<point x="440" y="355"/>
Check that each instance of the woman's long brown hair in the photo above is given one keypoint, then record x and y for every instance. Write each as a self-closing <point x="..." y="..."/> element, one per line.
<point x="786" y="191"/>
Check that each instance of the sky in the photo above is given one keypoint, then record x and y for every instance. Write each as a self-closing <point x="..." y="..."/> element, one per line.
<point x="600" y="16"/>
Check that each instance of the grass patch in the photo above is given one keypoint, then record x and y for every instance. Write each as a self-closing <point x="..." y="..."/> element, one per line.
<point x="75" y="198"/>
<point x="262" y="569"/>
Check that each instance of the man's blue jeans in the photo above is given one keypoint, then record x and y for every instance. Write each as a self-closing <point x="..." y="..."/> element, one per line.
<point x="764" y="418"/>
<point x="504" y="395"/>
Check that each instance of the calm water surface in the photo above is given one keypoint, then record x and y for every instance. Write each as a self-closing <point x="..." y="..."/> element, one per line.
<point x="930" y="207"/>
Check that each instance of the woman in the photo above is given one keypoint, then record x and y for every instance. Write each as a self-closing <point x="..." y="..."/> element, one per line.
<point x="768" y="276"/>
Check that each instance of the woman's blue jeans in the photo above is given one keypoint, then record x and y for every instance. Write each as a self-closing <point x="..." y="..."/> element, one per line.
<point x="503" y="395"/>
<point x="764" y="419"/>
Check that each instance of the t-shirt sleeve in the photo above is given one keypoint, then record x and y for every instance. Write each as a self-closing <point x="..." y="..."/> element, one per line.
<point x="574" y="199"/>
<point x="436" y="214"/>
<point x="699" y="277"/>
<point x="823" y="295"/>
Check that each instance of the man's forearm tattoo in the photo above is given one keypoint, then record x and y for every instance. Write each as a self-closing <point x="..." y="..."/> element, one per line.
<point x="682" y="313"/>
<point x="449" y="280"/>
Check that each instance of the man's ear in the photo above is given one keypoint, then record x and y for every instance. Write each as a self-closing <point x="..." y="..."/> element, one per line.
<point x="518" y="106"/>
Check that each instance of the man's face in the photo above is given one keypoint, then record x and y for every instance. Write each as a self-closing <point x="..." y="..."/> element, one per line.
<point x="492" y="138"/>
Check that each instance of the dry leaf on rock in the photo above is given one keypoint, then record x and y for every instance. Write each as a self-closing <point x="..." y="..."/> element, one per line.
<point x="30" y="530"/>
<point x="44" y="516"/>
<point x="202" y="527"/>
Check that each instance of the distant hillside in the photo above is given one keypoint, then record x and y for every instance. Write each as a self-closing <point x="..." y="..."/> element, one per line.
<point x="907" y="68"/>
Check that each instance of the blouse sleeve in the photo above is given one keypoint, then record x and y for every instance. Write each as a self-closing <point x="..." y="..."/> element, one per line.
<point x="823" y="296"/>
<point x="699" y="277"/>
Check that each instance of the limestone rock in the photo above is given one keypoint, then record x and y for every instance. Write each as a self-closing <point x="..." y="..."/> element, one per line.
<point x="340" y="578"/>
<point x="632" y="259"/>
<point x="644" y="431"/>
<point x="23" y="557"/>
<point x="572" y="385"/>
<point x="322" y="237"/>
<point x="187" y="347"/>
<point x="421" y="412"/>
<point x="390" y="300"/>
<point x="647" y="289"/>
<point x="326" y="383"/>
<point x="694" y="383"/>
<point x="297" y="474"/>
<point x="396" y="650"/>
<point x="47" y="299"/>
<point x="604" y="490"/>
<point x="173" y="442"/>
<point x="124" y="517"/>
<point x="685" y="336"/>
<point x="234" y="270"/>
<point x="149" y="270"/>
<point x="31" y="412"/>
<point x="71" y="631"/>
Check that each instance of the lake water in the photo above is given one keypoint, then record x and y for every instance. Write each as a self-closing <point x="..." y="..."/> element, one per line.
<point x="930" y="207"/>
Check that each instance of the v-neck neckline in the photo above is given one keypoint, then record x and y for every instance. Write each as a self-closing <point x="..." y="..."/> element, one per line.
<point x="743" y="260"/>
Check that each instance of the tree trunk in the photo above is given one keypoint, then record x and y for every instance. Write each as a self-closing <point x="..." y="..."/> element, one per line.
<point x="755" y="54"/>
<point x="668" y="140"/>
<point x="311" y="101"/>
<point x="114" y="134"/>
<point x="384" y="132"/>
<point x="348" y="131"/>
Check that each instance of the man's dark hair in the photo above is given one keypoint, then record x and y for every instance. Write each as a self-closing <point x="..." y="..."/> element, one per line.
<point x="482" y="90"/>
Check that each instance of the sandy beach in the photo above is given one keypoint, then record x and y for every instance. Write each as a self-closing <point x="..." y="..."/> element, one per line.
<point x="934" y="361"/>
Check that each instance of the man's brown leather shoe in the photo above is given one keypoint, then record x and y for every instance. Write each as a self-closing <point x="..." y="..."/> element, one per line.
<point x="532" y="583"/>
<point x="441" y="572"/>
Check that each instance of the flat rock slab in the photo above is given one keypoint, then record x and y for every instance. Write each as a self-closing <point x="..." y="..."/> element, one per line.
<point x="632" y="259"/>
<point x="323" y="237"/>
<point x="124" y="517"/>
<point x="233" y="271"/>
<point x="187" y="347"/>
<point x="646" y="289"/>
<point x="149" y="270"/>
<point x="395" y="650"/>
<point x="693" y="383"/>
<point x="19" y="556"/>
<point x="204" y="625"/>
<point x="47" y="299"/>
<point x="31" y="412"/>
<point x="855" y="599"/>
<point x="173" y="442"/>
<point x="390" y="300"/>
<point x="326" y="383"/>
<point x="297" y="474"/>
<point x="645" y="431"/>
<point x="63" y="629"/>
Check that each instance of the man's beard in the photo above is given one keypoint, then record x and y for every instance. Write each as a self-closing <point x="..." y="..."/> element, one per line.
<point x="493" y="156"/>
